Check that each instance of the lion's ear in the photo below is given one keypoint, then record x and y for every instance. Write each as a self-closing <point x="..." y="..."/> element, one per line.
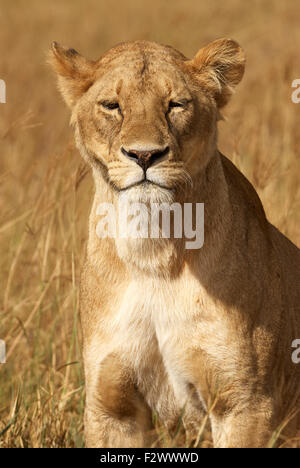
<point x="221" y="66"/>
<point x="75" y="73"/>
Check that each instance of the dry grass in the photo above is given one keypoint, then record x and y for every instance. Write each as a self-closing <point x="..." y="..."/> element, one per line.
<point x="45" y="190"/>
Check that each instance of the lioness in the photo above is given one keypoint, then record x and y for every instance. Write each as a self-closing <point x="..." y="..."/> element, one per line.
<point x="167" y="329"/>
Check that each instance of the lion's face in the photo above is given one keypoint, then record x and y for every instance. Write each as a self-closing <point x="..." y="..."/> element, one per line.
<point x="145" y="114"/>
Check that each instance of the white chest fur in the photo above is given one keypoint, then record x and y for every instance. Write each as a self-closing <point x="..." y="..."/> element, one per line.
<point x="150" y="326"/>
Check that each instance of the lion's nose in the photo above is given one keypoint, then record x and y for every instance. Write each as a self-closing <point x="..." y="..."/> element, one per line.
<point x="146" y="158"/>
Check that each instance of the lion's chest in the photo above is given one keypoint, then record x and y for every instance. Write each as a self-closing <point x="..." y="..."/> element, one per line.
<point x="158" y="327"/>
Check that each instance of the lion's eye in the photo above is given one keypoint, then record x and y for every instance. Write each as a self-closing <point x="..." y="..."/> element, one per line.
<point x="174" y="104"/>
<point x="109" y="105"/>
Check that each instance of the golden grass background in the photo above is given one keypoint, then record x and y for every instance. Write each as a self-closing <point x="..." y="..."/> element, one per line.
<point x="45" y="189"/>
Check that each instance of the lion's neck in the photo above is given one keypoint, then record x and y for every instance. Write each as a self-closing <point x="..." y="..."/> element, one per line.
<point x="167" y="256"/>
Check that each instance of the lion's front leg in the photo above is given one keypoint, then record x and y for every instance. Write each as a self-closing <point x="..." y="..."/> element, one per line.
<point x="116" y="415"/>
<point x="245" y="427"/>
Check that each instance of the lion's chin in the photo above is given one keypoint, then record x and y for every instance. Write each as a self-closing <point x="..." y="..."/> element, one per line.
<point x="147" y="192"/>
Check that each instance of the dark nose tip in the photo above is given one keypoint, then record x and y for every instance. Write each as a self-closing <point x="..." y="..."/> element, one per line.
<point x="146" y="158"/>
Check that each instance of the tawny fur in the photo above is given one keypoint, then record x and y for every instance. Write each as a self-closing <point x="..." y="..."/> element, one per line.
<point x="164" y="327"/>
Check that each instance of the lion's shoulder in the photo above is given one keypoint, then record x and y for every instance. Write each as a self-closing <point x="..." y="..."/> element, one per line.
<point x="244" y="191"/>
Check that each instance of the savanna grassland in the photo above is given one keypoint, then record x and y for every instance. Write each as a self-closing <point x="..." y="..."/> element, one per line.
<point x="46" y="190"/>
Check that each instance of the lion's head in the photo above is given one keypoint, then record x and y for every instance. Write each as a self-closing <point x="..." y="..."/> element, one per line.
<point x="144" y="115"/>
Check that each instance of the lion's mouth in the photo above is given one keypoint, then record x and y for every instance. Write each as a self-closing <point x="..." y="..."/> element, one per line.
<point x="145" y="183"/>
